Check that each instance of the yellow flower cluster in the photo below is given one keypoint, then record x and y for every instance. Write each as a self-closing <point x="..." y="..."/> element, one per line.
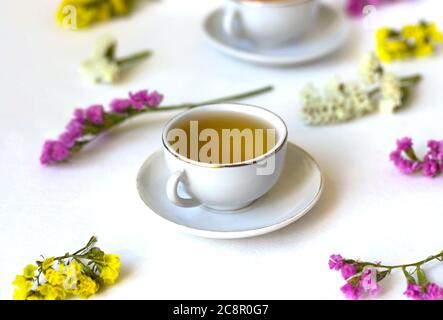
<point x="417" y="40"/>
<point x="111" y="268"/>
<point x="80" y="275"/>
<point x="80" y="14"/>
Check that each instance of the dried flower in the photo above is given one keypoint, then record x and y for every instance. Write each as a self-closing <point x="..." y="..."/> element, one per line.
<point x="368" y="281"/>
<point x="80" y="274"/>
<point x="406" y="160"/>
<point x="80" y="14"/>
<point x="336" y="262"/>
<point x="95" y="114"/>
<point x="120" y="105"/>
<point x="348" y="270"/>
<point x="415" y="40"/>
<point x="371" y="69"/>
<point x="102" y="66"/>
<point x="54" y="151"/>
<point x="392" y="93"/>
<point x="368" y="275"/>
<point x="352" y="292"/>
<point x="88" y="123"/>
<point x="100" y="70"/>
<point x="343" y="102"/>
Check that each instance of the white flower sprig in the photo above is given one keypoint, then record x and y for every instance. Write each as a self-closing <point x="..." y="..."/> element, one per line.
<point x="345" y="101"/>
<point x="103" y="66"/>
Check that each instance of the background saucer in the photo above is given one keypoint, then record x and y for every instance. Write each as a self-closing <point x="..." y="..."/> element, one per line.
<point x="297" y="190"/>
<point x="328" y="33"/>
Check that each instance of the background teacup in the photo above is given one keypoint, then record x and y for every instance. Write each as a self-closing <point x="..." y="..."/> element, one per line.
<point x="228" y="186"/>
<point x="269" y="23"/>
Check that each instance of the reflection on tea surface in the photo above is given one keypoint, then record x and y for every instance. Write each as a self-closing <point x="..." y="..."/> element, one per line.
<point x="222" y="137"/>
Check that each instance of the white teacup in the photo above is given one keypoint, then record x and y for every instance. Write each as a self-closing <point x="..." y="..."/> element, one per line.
<point x="269" y="23"/>
<point x="228" y="186"/>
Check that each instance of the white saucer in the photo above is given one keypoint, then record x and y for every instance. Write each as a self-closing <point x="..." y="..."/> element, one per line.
<point x="328" y="34"/>
<point x="296" y="192"/>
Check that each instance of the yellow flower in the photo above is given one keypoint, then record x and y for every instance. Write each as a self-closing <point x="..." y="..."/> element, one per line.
<point x="47" y="263"/>
<point x="111" y="270"/>
<point x="434" y="34"/>
<point x="86" y="287"/>
<point x="23" y="289"/>
<point x="29" y="271"/>
<point x="423" y="50"/>
<point x="78" y="14"/>
<point x="383" y="54"/>
<point x="413" y="40"/>
<point x="74" y="15"/>
<point x="50" y="292"/>
<point x="396" y="46"/>
<point x="414" y="32"/>
<point x="120" y="7"/>
<point x="55" y="278"/>
<point x="33" y="297"/>
<point x="109" y="275"/>
<point x="382" y="34"/>
<point x="103" y="12"/>
<point x="392" y="49"/>
<point x="112" y="260"/>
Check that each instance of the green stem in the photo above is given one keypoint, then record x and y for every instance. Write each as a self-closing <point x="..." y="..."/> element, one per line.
<point x="91" y="242"/>
<point x="89" y="271"/>
<point x="403" y="266"/>
<point x="214" y="101"/>
<point x="133" y="58"/>
<point x="411" y="80"/>
<point x="405" y="82"/>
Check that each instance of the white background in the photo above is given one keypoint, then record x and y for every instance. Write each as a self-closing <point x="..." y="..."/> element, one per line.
<point x="368" y="209"/>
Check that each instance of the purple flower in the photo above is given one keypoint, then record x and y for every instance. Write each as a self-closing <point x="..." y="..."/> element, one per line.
<point x="336" y="262"/>
<point x="74" y="130"/>
<point x="434" y="145"/>
<point x="139" y="99"/>
<point x="404" y="144"/>
<point x="433" y="292"/>
<point x="395" y="156"/>
<point x="440" y="151"/>
<point x="417" y="292"/>
<point x="95" y="114"/>
<point x="120" y="105"/>
<point x="53" y="151"/>
<point x="352" y="292"/>
<point x="355" y="7"/>
<point x="404" y="165"/>
<point x="435" y="150"/>
<point x="368" y="282"/>
<point x="79" y="115"/>
<point x="67" y="139"/>
<point x="154" y="99"/>
<point x="348" y="270"/>
<point x="431" y="168"/>
<point x="413" y="291"/>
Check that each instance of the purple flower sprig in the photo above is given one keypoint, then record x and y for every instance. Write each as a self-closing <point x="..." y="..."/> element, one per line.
<point x="87" y="124"/>
<point x="406" y="160"/>
<point x="356" y="7"/>
<point x="363" y="278"/>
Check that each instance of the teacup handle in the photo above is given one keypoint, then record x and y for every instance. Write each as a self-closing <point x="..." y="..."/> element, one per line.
<point x="232" y="22"/>
<point x="172" y="191"/>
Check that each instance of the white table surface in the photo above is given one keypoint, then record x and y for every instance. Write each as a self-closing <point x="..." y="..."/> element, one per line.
<point x="368" y="210"/>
